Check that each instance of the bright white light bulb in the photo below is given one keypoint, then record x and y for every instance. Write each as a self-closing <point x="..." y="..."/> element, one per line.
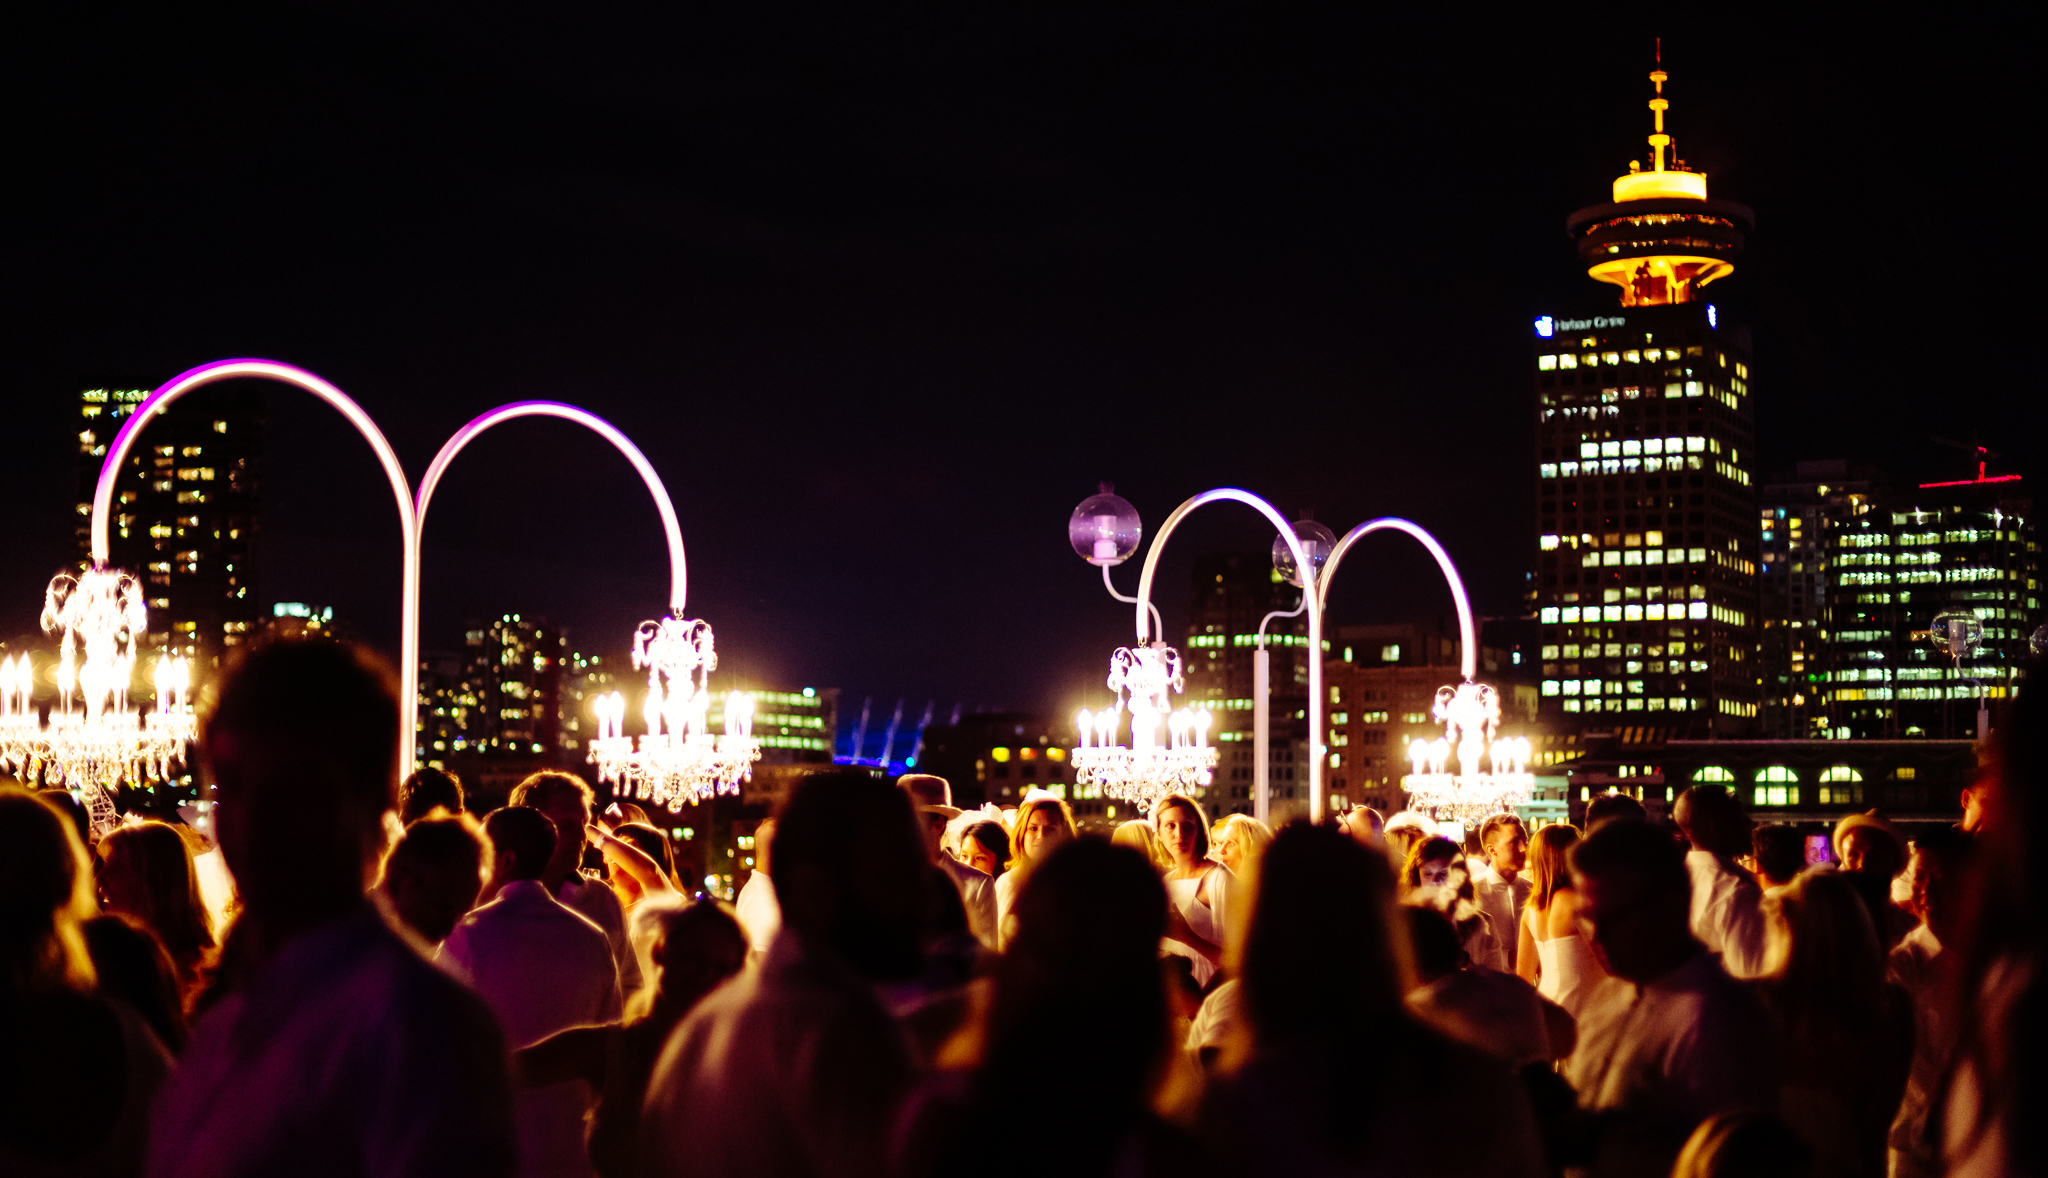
<point x="650" y="709"/>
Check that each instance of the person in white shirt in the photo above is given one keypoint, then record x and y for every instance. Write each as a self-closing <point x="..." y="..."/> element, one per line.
<point x="1669" y="1039"/>
<point x="566" y="800"/>
<point x="1727" y="904"/>
<point x="543" y="968"/>
<point x="339" y="1049"/>
<point x="1498" y="884"/>
<point x="795" y="1068"/>
<point x="759" y="915"/>
<point x="1930" y="972"/>
<point x="933" y="798"/>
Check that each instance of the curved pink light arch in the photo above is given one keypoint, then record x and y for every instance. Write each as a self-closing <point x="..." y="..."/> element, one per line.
<point x="679" y="580"/>
<point x="1315" y="617"/>
<point x="401" y="490"/>
<point x="1467" y="632"/>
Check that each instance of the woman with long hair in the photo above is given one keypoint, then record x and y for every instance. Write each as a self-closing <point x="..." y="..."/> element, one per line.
<point x="1845" y="1034"/>
<point x="1549" y="951"/>
<point x="1077" y="1014"/>
<point x="1197" y="887"/>
<point x="147" y="874"/>
<point x="1043" y="822"/>
<point x="1342" y="1089"/>
<point x="76" y="1071"/>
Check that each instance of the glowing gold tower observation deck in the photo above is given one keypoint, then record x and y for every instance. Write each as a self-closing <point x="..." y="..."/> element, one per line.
<point x="1662" y="239"/>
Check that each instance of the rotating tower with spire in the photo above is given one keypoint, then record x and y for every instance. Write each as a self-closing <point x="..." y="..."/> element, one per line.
<point x="1661" y="240"/>
<point x="1645" y="586"/>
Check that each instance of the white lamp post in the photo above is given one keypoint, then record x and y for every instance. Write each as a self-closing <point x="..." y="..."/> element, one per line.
<point x="678" y="760"/>
<point x="1316" y="541"/>
<point x="1147" y="616"/>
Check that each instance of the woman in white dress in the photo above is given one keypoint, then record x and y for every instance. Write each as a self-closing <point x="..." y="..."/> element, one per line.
<point x="1551" y="952"/>
<point x="1043" y="822"/>
<point x="1197" y="887"/>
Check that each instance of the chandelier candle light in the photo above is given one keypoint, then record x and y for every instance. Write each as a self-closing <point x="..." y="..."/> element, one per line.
<point x="678" y="761"/>
<point x="1143" y="679"/>
<point x="1470" y="712"/>
<point x="93" y="740"/>
<point x="1104" y="531"/>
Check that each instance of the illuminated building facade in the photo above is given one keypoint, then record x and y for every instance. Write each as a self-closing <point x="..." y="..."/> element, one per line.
<point x="185" y="512"/>
<point x="1798" y="519"/>
<point x="1964" y="546"/>
<point x="1645" y="586"/>
<point x="1382" y="691"/>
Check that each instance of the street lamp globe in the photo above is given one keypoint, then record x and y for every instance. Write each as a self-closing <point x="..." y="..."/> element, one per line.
<point x="1316" y="541"/>
<point x="1105" y="529"/>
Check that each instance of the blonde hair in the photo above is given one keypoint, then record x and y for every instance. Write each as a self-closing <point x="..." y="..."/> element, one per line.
<point x="1138" y="835"/>
<point x="45" y="897"/>
<point x="1547" y="871"/>
<point x="1020" y="859"/>
<point x="1255" y="835"/>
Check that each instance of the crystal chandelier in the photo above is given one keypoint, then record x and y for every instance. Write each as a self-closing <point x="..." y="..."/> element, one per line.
<point x="1471" y="713"/>
<point x="678" y="761"/>
<point x="93" y="740"/>
<point x="1143" y="678"/>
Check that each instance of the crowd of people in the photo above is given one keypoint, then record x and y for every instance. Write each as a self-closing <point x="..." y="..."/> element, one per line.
<point x="394" y="987"/>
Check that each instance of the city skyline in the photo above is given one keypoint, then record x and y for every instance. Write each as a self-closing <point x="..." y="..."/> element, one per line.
<point x="832" y="371"/>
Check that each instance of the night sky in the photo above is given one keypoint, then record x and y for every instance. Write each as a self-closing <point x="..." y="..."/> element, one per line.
<point x="883" y="295"/>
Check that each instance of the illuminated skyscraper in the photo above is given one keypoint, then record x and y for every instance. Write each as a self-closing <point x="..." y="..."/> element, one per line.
<point x="1967" y="546"/>
<point x="1646" y="555"/>
<point x="1800" y="520"/>
<point x="185" y="511"/>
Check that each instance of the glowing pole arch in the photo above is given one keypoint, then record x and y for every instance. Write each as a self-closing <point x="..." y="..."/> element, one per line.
<point x="1470" y="712"/>
<point x="1468" y="636"/>
<point x="401" y="490"/>
<point x="1315" y="617"/>
<point x="679" y="580"/>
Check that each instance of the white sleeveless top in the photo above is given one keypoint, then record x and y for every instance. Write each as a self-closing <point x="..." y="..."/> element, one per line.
<point x="1207" y="921"/>
<point x="1569" y="972"/>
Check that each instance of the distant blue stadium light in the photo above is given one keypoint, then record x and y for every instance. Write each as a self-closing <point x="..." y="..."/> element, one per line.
<point x="1547" y="327"/>
<point x="1713" y="317"/>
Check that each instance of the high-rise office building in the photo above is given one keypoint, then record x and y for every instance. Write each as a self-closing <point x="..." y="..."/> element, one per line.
<point x="1645" y="588"/>
<point x="1955" y="547"/>
<point x="1798" y="518"/>
<point x="1856" y="569"/>
<point x="185" y="512"/>
<point x="514" y="668"/>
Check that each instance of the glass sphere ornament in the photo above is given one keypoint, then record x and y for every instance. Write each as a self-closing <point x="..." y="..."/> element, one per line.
<point x="1105" y="528"/>
<point x="1316" y="541"/>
